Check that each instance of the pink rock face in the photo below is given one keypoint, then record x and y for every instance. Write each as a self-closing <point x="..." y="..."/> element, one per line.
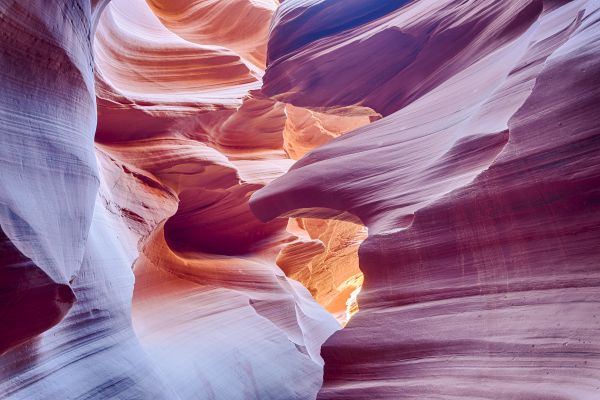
<point x="183" y="139"/>
<point x="241" y="25"/>
<point x="405" y="50"/>
<point x="480" y="195"/>
<point x="149" y="80"/>
<point x="435" y="166"/>
<point x="209" y="298"/>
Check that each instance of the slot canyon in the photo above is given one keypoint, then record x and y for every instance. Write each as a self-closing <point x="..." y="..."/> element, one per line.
<point x="300" y="199"/>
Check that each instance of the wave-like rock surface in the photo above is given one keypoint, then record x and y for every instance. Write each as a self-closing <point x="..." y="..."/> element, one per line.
<point x="240" y="25"/>
<point x="66" y="274"/>
<point x="206" y="278"/>
<point x="320" y="52"/>
<point x="48" y="173"/>
<point x="149" y="80"/>
<point x="447" y="150"/>
<point x="325" y="255"/>
<point x="480" y="195"/>
<point x="183" y="139"/>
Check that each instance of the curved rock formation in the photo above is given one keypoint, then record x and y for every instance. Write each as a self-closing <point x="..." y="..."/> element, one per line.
<point x="436" y="165"/>
<point x="67" y="258"/>
<point x="149" y="80"/>
<point x="201" y="278"/>
<point x="405" y="48"/>
<point x="240" y="25"/>
<point x="325" y="256"/>
<point x="481" y="273"/>
<point x="325" y="260"/>
<point x="183" y="140"/>
<point x="48" y="172"/>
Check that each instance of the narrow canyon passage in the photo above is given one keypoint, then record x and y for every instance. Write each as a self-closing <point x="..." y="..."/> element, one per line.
<point x="299" y="199"/>
<point x="184" y="137"/>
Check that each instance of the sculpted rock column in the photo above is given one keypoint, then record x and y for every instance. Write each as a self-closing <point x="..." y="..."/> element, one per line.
<point x="61" y="251"/>
<point x="185" y="137"/>
<point x="48" y="178"/>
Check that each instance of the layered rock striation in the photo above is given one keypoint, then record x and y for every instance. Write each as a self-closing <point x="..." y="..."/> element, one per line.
<point x="434" y="165"/>
<point x="183" y="138"/>
<point x="478" y="188"/>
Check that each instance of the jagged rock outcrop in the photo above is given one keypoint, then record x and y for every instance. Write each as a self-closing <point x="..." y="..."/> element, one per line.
<point x="479" y="193"/>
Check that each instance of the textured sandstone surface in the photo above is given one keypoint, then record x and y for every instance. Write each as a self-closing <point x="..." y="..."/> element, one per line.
<point x="480" y="196"/>
<point x="47" y="132"/>
<point x="241" y="25"/>
<point x="193" y="191"/>
<point x="183" y="139"/>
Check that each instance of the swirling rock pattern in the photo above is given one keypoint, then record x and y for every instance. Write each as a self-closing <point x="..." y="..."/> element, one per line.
<point x="46" y="153"/>
<point x="183" y="139"/>
<point x="436" y="164"/>
<point x="208" y="286"/>
<point x="241" y="25"/>
<point x="406" y="48"/>
<point x="480" y="195"/>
